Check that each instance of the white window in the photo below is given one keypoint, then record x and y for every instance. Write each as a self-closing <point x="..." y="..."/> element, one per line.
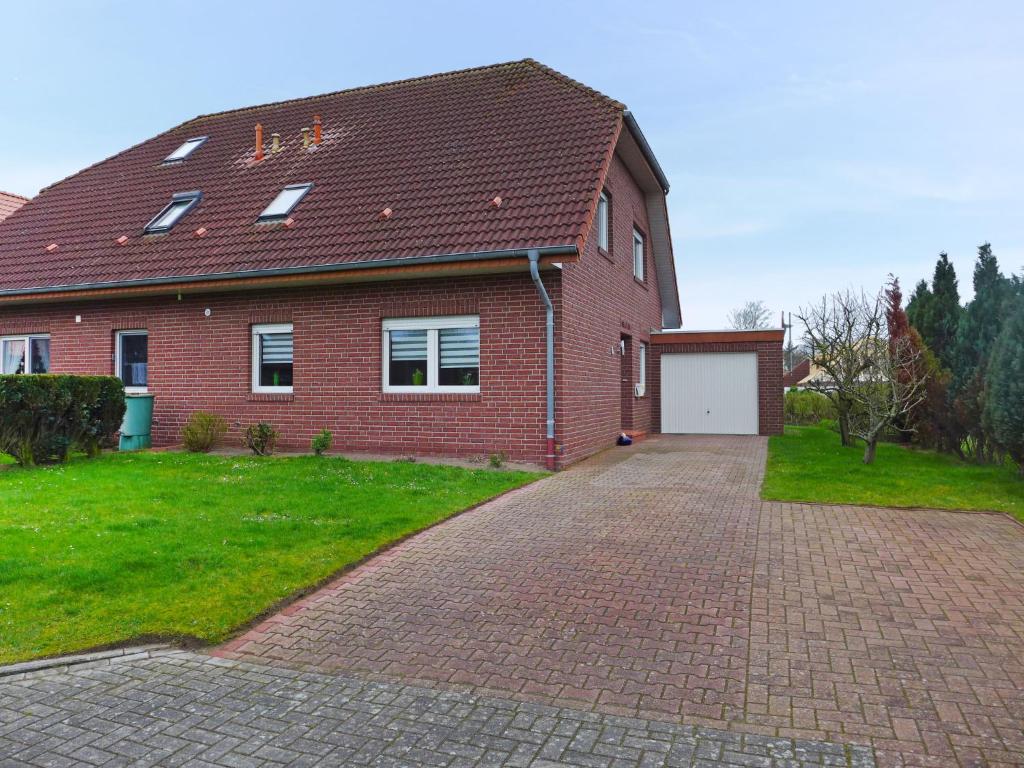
<point x="642" y="379"/>
<point x="131" y="360"/>
<point x="272" y="358"/>
<point x="432" y="354"/>
<point x="603" y="224"/>
<point x="638" y="255"/>
<point x="285" y="202"/>
<point x="180" y="204"/>
<point x="25" y="354"/>
<point x="186" y="149"/>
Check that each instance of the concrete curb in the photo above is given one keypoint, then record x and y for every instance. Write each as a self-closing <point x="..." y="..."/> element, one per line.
<point x="26" y="667"/>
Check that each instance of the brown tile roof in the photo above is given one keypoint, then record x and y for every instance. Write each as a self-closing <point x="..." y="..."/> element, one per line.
<point x="10" y="203"/>
<point x="435" y="150"/>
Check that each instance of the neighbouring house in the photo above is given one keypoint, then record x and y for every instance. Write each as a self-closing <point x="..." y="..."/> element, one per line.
<point x="378" y="262"/>
<point x="9" y="203"/>
<point x="797" y="374"/>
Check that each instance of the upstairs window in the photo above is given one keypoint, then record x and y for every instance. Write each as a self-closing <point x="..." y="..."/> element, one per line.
<point x="642" y="378"/>
<point x="186" y="149"/>
<point x="272" y="358"/>
<point x="25" y="354"/>
<point x="180" y="204"/>
<point x="285" y="202"/>
<point x="638" y="255"/>
<point x="432" y="354"/>
<point x="604" y="222"/>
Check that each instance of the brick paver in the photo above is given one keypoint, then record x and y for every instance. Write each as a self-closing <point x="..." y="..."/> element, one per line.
<point x="181" y="708"/>
<point x="651" y="582"/>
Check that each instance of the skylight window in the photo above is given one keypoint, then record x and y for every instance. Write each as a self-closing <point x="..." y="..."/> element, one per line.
<point x="185" y="150"/>
<point x="285" y="202"/>
<point x="180" y="204"/>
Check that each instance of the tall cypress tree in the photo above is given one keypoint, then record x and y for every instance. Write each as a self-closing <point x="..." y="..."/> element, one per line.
<point x="1004" y="387"/>
<point x="919" y="305"/>
<point x="942" y="316"/>
<point x="980" y="326"/>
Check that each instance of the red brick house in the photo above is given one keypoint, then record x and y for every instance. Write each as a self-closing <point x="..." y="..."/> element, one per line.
<point x="376" y="261"/>
<point x="10" y="203"/>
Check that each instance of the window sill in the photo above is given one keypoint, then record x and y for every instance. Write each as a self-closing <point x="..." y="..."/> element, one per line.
<point x="270" y="397"/>
<point x="606" y="254"/>
<point x="429" y="397"/>
<point x="641" y="283"/>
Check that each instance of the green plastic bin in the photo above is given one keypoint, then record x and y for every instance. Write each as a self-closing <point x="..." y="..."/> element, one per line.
<point x="138" y="422"/>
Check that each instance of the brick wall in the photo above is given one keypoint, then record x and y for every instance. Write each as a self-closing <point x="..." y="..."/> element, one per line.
<point x="203" y="363"/>
<point x="603" y="303"/>
<point x="769" y="377"/>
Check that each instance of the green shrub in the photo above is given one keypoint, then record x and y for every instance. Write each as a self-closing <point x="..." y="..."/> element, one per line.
<point x="804" y="407"/>
<point x="203" y="431"/>
<point x="260" y="438"/>
<point x="44" y="416"/>
<point x="321" y="443"/>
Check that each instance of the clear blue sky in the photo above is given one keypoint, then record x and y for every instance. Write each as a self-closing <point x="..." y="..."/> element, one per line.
<point x="810" y="145"/>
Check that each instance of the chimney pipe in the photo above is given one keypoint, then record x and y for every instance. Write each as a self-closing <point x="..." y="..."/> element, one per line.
<point x="259" y="142"/>
<point x="305" y="138"/>
<point x="317" y="136"/>
<point x="275" y="142"/>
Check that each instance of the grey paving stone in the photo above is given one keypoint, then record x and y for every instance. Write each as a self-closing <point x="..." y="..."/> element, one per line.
<point x="182" y="708"/>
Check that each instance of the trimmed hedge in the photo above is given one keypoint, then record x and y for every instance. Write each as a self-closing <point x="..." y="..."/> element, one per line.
<point x="44" y="416"/>
<point x="805" y="407"/>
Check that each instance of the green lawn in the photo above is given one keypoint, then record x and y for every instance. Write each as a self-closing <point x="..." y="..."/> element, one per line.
<point x="131" y="546"/>
<point x="809" y="464"/>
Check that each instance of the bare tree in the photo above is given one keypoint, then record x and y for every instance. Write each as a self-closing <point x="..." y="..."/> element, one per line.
<point x="889" y="387"/>
<point x="833" y="330"/>
<point x="751" y="316"/>
<point x="873" y="379"/>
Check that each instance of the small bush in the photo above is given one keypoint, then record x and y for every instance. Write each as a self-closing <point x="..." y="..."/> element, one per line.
<point x="497" y="460"/>
<point x="44" y="416"/>
<point x="321" y="443"/>
<point x="260" y="438"/>
<point x="804" y="407"/>
<point x="203" y="431"/>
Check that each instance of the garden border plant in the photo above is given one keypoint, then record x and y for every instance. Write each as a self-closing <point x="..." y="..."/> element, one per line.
<point x="45" y="416"/>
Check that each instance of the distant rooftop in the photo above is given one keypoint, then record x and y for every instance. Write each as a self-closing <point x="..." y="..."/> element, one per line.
<point x="9" y="203"/>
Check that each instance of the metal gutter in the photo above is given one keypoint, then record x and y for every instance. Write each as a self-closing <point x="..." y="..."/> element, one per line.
<point x="447" y="258"/>
<point x="549" y="327"/>
<point x="645" y="148"/>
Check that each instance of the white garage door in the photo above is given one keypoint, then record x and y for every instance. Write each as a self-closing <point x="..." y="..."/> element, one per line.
<point x="709" y="393"/>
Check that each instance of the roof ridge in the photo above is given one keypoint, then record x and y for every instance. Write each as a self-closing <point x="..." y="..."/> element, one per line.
<point x="357" y="89"/>
<point x="565" y="79"/>
<point x="14" y="194"/>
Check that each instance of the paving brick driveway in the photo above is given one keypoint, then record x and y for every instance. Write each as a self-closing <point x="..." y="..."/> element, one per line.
<point x="651" y="582"/>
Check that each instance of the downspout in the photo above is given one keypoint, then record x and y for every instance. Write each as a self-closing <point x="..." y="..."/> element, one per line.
<point x="549" y="323"/>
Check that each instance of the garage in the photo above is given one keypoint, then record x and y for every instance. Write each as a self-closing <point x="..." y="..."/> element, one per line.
<point x="717" y="382"/>
<point x="709" y="393"/>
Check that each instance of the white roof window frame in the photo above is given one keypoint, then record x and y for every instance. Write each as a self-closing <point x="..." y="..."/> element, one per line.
<point x="185" y="150"/>
<point x="158" y="224"/>
<point x="289" y="198"/>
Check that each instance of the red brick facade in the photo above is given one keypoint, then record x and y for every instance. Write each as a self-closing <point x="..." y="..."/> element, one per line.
<point x="605" y="305"/>
<point x="769" y="374"/>
<point x="203" y="363"/>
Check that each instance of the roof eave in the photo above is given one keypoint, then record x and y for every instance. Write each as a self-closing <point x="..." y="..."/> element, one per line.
<point x="645" y="148"/>
<point x="410" y="261"/>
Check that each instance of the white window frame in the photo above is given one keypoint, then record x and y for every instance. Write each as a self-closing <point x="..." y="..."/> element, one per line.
<point x="431" y="325"/>
<point x="603" y="222"/>
<point x="638" y="256"/>
<point x="642" y="378"/>
<point x="117" y="358"/>
<point x="185" y="150"/>
<point x="257" y="331"/>
<point x="27" y="338"/>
